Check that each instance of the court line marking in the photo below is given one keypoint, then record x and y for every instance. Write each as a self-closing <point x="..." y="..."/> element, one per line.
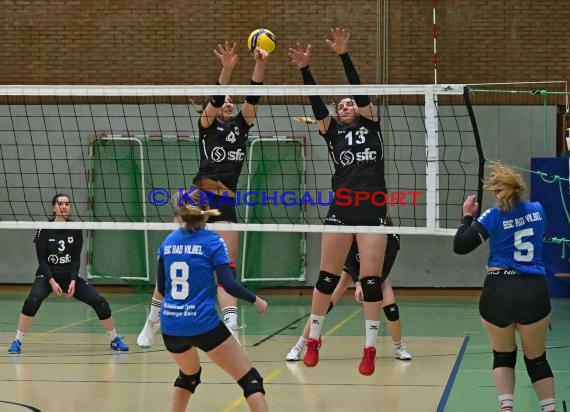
<point x="29" y="407"/>
<point x="342" y="322"/>
<point x="452" y="375"/>
<point x="240" y="400"/>
<point x="278" y="371"/>
<point x="70" y="325"/>
<point x="328" y="333"/>
<point x="277" y="332"/>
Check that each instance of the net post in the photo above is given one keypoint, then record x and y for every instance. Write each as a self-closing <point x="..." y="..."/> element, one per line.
<point x="432" y="159"/>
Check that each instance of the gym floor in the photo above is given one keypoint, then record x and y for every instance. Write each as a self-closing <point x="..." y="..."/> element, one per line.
<point x="66" y="364"/>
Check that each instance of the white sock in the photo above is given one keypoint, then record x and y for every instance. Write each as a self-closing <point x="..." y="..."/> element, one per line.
<point x="398" y="345"/>
<point x="506" y="402"/>
<point x="301" y="342"/>
<point x="230" y="316"/>
<point x="372" y="327"/>
<point x="112" y="334"/>
<point x="154" y="314"/>
<point x="548" y="405"/>
<point x="19" y="335"/>
<point x="316" y="326"/>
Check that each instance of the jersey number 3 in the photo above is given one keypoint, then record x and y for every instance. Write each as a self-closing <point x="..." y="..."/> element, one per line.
<point x="525" y="250"/>
<point x="179" y="273"/>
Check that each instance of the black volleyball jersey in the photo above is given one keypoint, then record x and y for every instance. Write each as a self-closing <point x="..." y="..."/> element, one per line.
<point x="222" y="151"/>
<point x="59" y="252"/>
<point x="358" y="155"/>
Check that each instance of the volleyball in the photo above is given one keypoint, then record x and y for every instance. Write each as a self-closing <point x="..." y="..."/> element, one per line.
<point x="262" y="38"/>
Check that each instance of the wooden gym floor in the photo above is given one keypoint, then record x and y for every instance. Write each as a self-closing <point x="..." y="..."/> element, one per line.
<point x="66" y="365"/>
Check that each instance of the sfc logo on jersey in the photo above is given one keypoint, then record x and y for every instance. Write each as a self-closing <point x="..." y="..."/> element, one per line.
<point x="54" y="259"/>
<point x="346" y="158"/>
<point x="70" y="239"/>
<point x="219" y="154"/>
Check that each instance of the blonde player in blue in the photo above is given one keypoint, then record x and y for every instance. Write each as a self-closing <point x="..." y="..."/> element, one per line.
<point x="191" y="262"/>
<point x="223" y="141"/>
<point x="515" y="296"/>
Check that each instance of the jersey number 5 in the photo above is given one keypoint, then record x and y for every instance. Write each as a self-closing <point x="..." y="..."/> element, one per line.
<point x="525" y="250"/>
<point x="179" y="273"/>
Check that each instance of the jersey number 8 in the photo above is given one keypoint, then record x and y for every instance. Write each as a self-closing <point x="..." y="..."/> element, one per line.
<point x="179" y="273"/>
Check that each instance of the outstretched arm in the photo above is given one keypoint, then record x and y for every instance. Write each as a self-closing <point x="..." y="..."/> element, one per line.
<point x="250" y="106"/>
<point x="300" y="58"/>
<point x="226" y="53"/>
<point x="226" y="279"/>
<point x="338" y="42"/>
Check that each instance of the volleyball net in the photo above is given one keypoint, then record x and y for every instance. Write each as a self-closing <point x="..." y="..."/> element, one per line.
<point x="123" y="153"/>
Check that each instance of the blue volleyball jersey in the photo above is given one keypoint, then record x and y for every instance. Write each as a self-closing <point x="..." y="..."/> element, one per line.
<point x="515" y="237"/>
<point x="189" y="258"/>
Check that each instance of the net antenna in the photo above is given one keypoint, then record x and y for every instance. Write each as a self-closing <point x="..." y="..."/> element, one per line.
<point x="123" y="152"/>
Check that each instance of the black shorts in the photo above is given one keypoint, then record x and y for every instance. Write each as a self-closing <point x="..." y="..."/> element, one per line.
<point x="226" y="206"/>
<point x="365" y="214"/>
<point x="352" y="262"/>
<point x="508" y="299"/>
<point x="206" y="341"/>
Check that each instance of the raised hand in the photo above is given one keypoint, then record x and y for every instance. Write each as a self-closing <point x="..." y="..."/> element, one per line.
<point x="260" y="55"/>
<point x="470" y="206"/>
<point x="227" y="54"/>
<point x="299" y="56"/>
<point x="338" y="41"/>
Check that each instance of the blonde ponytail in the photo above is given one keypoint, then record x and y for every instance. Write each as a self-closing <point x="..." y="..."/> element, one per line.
<point x="507" y="185"/>
<point x="194" y="213"/>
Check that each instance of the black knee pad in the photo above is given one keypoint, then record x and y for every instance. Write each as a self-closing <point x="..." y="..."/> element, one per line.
<point x="327" y="282"/>
<point x="392" y="313"/>
<point x="371" y="289"/>
<point x="188" y="382"/>
<point x="504" y="359"/>
<point x="331" y="306"/>
<point x="538" y="368"/>
<point x="251" y="383"/>
<point x="31" y="305"/>
<point x="102" y="308"/>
